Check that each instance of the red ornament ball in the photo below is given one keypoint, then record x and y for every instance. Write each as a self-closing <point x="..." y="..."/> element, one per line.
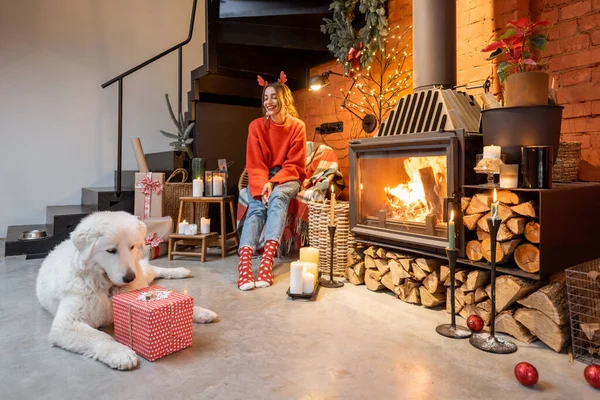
<point x="526" y="374"/>
<point x="475" y="323"/>
<point x="592" y="375"/>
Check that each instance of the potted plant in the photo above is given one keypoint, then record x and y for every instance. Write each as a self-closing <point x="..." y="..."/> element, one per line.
<point x="517" y="47"/>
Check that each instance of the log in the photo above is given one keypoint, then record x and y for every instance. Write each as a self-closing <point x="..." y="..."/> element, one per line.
<point x="413" y="297"/>
<point x="506" y="323"/>
<point x="507" y="197"/>
<point x="464" y="203"/>
<point x="504" y="212"/>
<point x="411" y="284"/>
<point x="480" y="295"/>
<point x="382" y="265"/>
<point x="432" y="283"/>
<point x="434" y="202"/>
<point x="485" y="315"/>
<point x="591" y="331"/>
<point x="406" y="263"/>
<point x="470" y="221"/>
<point x="510" y="289"/>
<point x="468" y="310"/>
<point x="353" y="278"/>
<point x="516" y="225"/>
<point x="398" y="273"/>
<point x="543" y="327"/>
<point x="476" y="279"/>
<point x="482" y="235"/>
<point x="527" y="257"/>
<point x="458" y="306"/>
<point x="482" y="223"/>
<point x="461" y="275"/>
<point x="418" y="273"/>
<point x="359" y="270"/>
<point x="525" y="209"/>
<point x="391" y="255"/>
<point x="469" y="298"/>
<point x="504" y="233"/>
<point x="386" y="280"/>
<point x="428" y="264"/>
<point x="479" y="204"/>
<point x="371" y="251"/>
<point x="504" y="250"/>
<point x="550" y="300"/>
<point x="373" y="280"/>
<point x="532" y="232"/>
<point x="485" y="305"/>
<point x="429" y="299"/>
<point x="380" y="252"/>
<point x="369" y="262"/>
<point x="444" y="272"/>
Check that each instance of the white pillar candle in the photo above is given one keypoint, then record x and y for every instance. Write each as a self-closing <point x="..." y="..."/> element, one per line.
<point x="182" y="227"/>
<point x="204" y="225"/>
<point x="217" y="186"/>
<point x="309" y="254"/>
<point x="311" y="267"/>
<point x="492" y="152"/>
<point x="308" y="282"/>
<point x="191" y="230"/>
<point x="296" y="269"/>
<point x="197" y="187"/>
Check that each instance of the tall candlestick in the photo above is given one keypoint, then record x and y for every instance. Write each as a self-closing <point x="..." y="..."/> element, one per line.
<point x="332" y="209"/>
<point x="495" y="206"/>
<point x="296" y="269"/>
<point x="451" y="232"/>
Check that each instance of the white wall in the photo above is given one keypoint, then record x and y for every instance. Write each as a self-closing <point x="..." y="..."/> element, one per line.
<point x="58" y="127"/>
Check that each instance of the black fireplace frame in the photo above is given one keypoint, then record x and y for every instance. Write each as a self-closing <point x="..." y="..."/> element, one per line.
<point x="448" y="143"/>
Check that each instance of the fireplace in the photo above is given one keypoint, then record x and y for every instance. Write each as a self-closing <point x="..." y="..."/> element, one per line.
<point x="402" y="187"/>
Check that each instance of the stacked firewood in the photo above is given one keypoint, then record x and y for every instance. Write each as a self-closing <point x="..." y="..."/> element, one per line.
<point x="521" y="310"/>
<point x="518" y="235"/>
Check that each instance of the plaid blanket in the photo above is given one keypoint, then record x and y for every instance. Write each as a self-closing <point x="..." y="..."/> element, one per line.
<point x="321" y="166"/>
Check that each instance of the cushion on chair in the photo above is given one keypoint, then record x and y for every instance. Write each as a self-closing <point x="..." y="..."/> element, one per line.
<point x="322" y="170"/>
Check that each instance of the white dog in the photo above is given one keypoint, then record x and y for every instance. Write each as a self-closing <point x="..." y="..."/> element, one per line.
<point x="78" y="278"/>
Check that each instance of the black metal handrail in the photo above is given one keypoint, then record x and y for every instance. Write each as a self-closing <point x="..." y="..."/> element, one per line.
<point x="119" y="79"/>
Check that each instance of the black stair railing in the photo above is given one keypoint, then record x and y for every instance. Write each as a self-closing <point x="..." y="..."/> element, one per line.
<point x="120" y="78"/>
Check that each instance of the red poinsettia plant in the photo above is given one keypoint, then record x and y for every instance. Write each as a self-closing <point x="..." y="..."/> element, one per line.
<point x="517" y="43"/>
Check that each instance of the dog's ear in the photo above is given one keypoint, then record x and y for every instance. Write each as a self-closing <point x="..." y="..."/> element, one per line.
<point x="84" y="237"/>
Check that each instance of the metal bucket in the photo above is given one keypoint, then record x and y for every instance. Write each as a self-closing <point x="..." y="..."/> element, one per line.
<point x="513" y="127"/>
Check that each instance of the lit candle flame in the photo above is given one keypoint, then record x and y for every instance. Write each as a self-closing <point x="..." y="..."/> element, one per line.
<point x="495" y="196"/>
<point x="452" y="216"/>
<point x="361" y="186"/>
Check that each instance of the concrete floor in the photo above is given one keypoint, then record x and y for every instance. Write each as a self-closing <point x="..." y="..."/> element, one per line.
<point x="349" y="344"/>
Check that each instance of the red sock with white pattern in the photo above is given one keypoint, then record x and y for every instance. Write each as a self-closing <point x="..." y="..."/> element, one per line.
<point x="245" y="278"/>
<point x="265" y="270"/>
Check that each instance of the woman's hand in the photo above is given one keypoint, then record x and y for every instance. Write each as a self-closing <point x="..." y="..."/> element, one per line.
<point x="266" y="193"/>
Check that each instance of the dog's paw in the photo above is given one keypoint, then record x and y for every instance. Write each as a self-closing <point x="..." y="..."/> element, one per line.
<point x="204" y="316"/>
<point x="118" y="356"/>
<point x="177" y="273"/>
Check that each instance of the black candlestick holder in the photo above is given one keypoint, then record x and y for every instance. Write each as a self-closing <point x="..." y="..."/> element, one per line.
<point x="451" y="330"/>
<point x="484" y="341"/>
<point x="330" y="283"/>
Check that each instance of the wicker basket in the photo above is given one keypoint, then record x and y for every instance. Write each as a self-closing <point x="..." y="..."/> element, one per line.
<point x="566" y="166"/>
<point x="318" y="234"/>
<point x="173" y="191"/>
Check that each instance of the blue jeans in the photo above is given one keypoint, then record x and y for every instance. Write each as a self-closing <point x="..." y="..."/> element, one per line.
<point x="272" y="218"/>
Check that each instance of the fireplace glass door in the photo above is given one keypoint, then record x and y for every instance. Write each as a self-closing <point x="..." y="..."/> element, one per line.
<point x="400" y="188"/>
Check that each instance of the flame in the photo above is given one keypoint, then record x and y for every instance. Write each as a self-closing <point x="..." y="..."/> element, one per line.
<point x="408" y="200"/>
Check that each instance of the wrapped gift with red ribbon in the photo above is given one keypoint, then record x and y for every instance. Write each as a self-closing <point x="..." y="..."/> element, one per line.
<point x="153" y="321"/>
<point x="148" y="200"/>
<point x="157" y="237"/>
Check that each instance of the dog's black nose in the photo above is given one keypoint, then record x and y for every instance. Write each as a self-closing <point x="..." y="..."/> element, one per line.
<point x="129" y="276"/>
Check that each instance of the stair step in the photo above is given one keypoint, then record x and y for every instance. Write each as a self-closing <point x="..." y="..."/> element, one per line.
<point x="104" y="197"/>
<point x="37" y="248"/>
<point x="59" y="218"/>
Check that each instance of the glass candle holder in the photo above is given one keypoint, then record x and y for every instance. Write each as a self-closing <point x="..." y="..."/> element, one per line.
<point x="198" y="168"/>
<point x="219" y="183"/>
<point x="509" y="176"/>
<point x="208" y="183"/>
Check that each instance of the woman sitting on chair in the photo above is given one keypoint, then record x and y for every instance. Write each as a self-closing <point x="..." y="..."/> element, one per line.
<point x="275" y="161"/>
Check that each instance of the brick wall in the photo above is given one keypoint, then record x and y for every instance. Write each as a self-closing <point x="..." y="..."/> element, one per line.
<point x="572" y="59"/>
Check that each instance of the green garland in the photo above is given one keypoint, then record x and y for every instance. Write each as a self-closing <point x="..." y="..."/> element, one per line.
<point x="344" y="37"/>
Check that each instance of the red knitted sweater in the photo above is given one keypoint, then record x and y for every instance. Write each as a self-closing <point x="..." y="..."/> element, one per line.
<point x="270" y="145"/>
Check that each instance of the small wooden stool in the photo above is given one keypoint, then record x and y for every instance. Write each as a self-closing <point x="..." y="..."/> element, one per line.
<point x="177" y="239"/>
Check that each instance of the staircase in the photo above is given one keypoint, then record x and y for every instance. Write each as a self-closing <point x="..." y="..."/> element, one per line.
<point x="243" y="39"/>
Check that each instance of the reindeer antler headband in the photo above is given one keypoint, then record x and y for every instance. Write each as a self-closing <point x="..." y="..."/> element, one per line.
<point x="282" y="79"/>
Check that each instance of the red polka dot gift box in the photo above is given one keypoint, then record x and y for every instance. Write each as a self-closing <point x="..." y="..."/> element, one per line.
<point x="153" y="321"/>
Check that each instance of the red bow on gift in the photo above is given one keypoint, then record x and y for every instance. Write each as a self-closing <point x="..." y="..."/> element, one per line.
<point x="153" y="240"/>
<point x="354" y="56"/>
<point x="148" y="185"/>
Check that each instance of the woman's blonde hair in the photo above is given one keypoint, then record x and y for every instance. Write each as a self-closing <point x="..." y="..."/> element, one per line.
<point x="284" y="99"/>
